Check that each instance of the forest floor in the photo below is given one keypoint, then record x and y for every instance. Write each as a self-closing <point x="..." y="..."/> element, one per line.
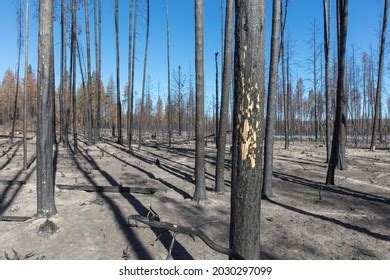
<point x="305" y="220"/>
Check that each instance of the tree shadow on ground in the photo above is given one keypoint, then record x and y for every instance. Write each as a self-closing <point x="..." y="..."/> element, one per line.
<point x="9" y="187"/>
<point x="311" y="163"/>
<point x="332" y="220"/>
<point x="179" y="253"/>
<point x="17" y="143"/>
<point x="336" y="189"/>
<point x="139" y="249"/>
<point x="11" y="157"/>
<point x="150" y="175"/>
<point x="168" y="167"/>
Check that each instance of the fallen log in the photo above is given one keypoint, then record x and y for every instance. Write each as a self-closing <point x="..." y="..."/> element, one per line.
<point x="110" y="189"/>
<point x="14" y="219"/>
<point x="156" y="223"/>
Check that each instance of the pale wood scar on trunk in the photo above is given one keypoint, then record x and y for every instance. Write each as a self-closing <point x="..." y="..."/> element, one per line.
<point x="248" y="109"/>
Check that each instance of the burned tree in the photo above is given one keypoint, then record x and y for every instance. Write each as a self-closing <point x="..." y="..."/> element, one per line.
<point x="169" y="78"/>
<point x="97" y="28"/>
<point x="249" y="72"/>
<point x="179" y="80"/>
<point x="63" y="98"/>
<point x="216" y="98"/>
<point x="272" y="89"/>
<point x="134" y="37"/>
<point x="118" y="87"/>
<point x="337" y="157"/>
<point x="25" y="90"/>
<point x="129" y="80"/>
<point x="72" y="80"/>
<point x="327" y="76"/>
<point x="144" y="75"/>
<point x="19" y="16"/>
<point x="200" y="182"/>
<point x="45" y="185"/>
<point x="380" y="77"/>
<point x="88" y="84"/>
<point x="226" y="77"/>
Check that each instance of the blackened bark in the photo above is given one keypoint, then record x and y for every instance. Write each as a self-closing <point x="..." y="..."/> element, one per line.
<point x="272" y="90"/>
<point x="337" y="156"/>
<point x="64" y="97"/>
<point x="315" y="81"/>
<point x="283" y="17"/>
<point x="327" y="75"/>
<point x="118" y="87"/>
<point x="200" y="183"/>
<point x="216" y="99"/>
<point x="379" y="81"/>
<point x="141" y="117"/>
<point x="72" y="86"/>
<point x="129" y="81"/>
<point x="226" y="79"/>
<point x="132" y="71"/>
<point x="169" y="79"/>
<point x="88" y="82"/>
<point x="54" y="102"/>
<point x="249" y="71"/>
<point x="25" y="90"/>
<point x="45" y="187"/>
<point x="19" y="19"/>
<point x="97" y="28"/>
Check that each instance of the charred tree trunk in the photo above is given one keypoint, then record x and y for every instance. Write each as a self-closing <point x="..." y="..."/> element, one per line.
<point x="169" y="79"/>
<point x="337" y="156"/>
<point x="129" y="83"/>
<point x="226" y="79"/>
<point x="200" y="182"/>
<point x="118" y="87"/>
<point x="141" y="117"/>
<point x="249" y="71"/>
<point x="283" y="17"/>
<point x="272" y="90"/>
<point x="315" y="81"/>
<point x="132" y="72"/>
<point x="72" y="86"/>
<point x="64" y="97"/>
<point x="327" y="75"/>
<point x="20" y="39"/>
<point x="98" y="32"/>
<point x="285" y="105"/>
<point x="25" y="89"/>
<point x="216" y="98"/>
<point x="54" y="120"/>
<point x="380" y="77"/>
<point x="45" y="185"/>
<point x="88" y="82"/>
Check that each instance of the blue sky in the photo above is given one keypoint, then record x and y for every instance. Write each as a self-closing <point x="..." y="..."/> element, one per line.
<point x="364" y="20"/>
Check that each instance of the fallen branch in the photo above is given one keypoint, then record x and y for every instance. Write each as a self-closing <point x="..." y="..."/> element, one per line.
<point x="110" y="189"/>
<point x="187" y="230"/>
